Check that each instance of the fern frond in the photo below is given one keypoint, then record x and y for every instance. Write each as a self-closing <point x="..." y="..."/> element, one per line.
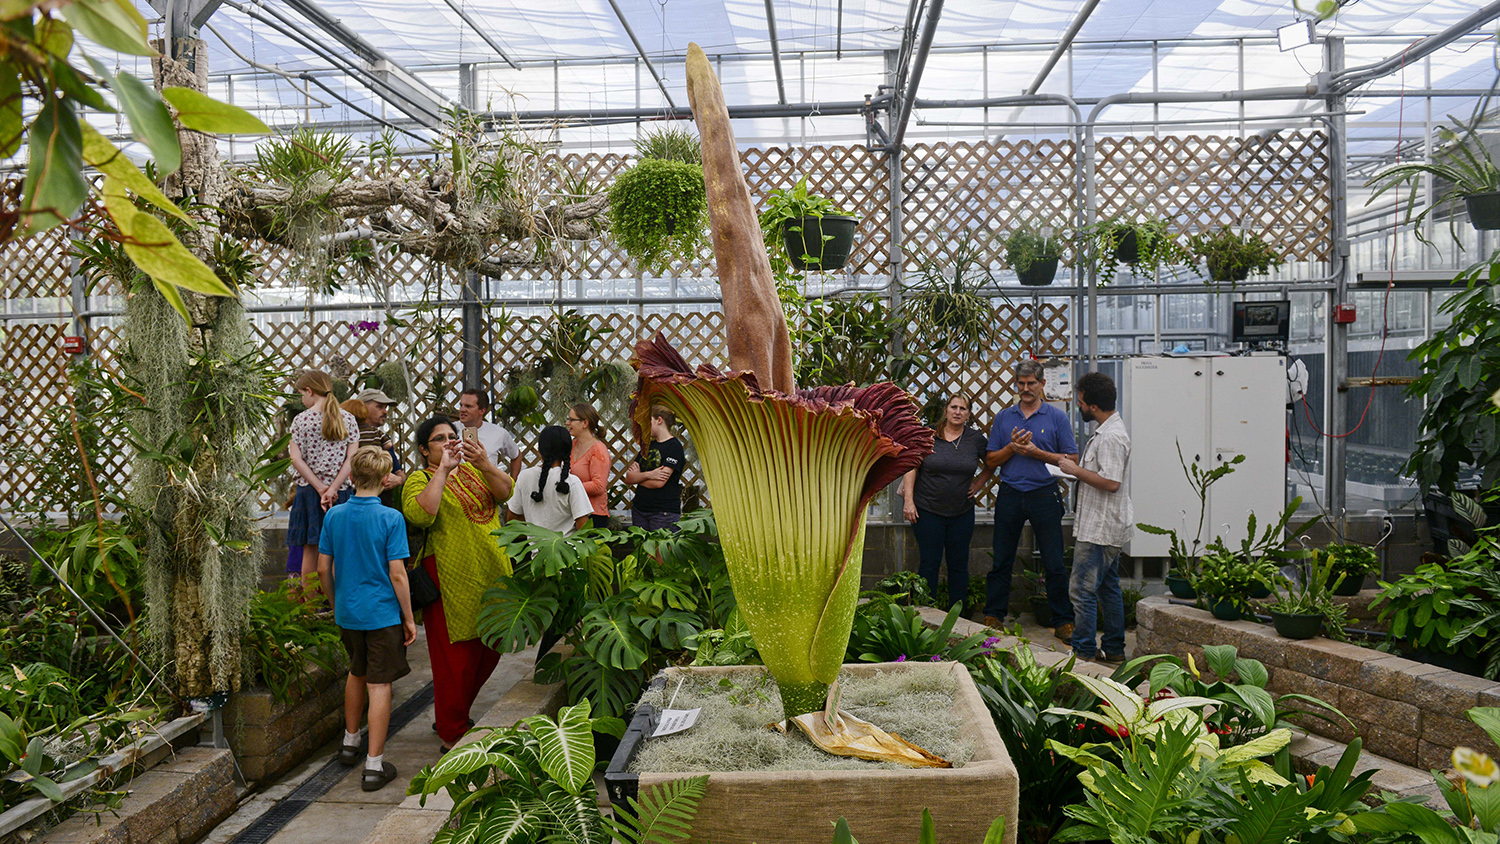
<point x="663" y="815"/>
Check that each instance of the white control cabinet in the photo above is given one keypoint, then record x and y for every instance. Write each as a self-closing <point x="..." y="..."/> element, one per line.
<point x="1213" y="408"/>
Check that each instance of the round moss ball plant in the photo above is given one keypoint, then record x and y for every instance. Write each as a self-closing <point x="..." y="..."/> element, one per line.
<point x="657" y="212"/>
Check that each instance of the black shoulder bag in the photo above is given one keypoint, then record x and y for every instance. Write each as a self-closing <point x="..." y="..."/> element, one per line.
<point x="423" y="589"/>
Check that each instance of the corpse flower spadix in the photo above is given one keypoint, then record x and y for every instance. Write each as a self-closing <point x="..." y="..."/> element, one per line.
<point x="790" y="472"/>
<point x="790" y="477"/>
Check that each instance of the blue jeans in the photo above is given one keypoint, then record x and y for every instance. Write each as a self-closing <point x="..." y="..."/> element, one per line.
<point x="936" y="535"/>
<point x="1013" y="509"/>
<point x="1096" y="584"/>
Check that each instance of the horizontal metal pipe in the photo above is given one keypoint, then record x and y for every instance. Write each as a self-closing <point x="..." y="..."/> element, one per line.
<point x="1349" y="79"/>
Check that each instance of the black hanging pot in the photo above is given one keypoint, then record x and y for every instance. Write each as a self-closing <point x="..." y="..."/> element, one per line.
<point x="1039" y="274"/>
<point x="1349" y="586"/>
<point x="1297" y="625"/>
<point x="1217" y="270"/>
<point x="1484" y="210"/>
<point x="1260" y="590"/>
<point x="805" y="236"/>
<point x="1128" y="250"/>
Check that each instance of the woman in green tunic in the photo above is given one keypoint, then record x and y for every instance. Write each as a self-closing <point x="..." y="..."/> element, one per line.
<point x="456" y="498"/>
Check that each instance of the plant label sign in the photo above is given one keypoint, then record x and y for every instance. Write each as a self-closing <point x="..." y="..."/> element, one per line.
<point x="675" y="721"/>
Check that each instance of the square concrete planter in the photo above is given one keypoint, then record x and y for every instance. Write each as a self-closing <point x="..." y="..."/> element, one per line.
<point x="270" y="737"/>
<point x="882" y="806"/>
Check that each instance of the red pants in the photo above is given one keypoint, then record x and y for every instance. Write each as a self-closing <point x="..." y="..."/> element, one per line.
<point x="459" y="669"/>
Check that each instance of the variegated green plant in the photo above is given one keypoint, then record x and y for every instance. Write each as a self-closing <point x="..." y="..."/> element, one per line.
<point x="534" y="782"/>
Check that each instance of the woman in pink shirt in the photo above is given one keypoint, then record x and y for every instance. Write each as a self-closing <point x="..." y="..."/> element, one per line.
<point x="590" y="459"/>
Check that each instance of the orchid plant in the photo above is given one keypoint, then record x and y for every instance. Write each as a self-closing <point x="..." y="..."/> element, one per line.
<point x="791" y="471"/>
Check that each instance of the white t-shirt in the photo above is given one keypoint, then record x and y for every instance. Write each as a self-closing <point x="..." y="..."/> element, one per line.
<point x="497" y="442"/>
<point x="555" y="511"/>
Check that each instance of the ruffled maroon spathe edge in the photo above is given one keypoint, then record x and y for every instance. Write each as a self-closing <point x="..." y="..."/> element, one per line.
<point x="889" y="412"/>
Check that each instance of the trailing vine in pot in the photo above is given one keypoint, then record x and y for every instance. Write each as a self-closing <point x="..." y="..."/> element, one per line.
<point x="1033" y="255"/>
<point x="657" y="209"/>
<point x="1146" y="245"/>
<point x="805" y="231"/>
<point x="1232" y="256"/>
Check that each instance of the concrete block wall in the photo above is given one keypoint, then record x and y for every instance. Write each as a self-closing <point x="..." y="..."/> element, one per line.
<point x="176" y="802"/>
<point x="270" y="737"/>
<point x="1406" y="711"/>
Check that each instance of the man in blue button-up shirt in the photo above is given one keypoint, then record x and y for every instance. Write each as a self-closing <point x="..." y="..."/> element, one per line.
<point x="1023" y="440"/>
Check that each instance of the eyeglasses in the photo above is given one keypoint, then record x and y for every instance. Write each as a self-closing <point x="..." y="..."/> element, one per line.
<point x="574" y="419"/>
<point x="441" y="438"/>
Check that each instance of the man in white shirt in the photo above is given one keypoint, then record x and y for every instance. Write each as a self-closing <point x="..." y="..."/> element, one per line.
<point x="472" y="406"/>
<point x="1103" y="523"/>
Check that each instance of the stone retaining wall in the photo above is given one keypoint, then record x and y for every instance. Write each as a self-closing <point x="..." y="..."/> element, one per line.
<point x="269" y="738"/>
<point x="173" y="803"/>
<point x="1405" y="711"/>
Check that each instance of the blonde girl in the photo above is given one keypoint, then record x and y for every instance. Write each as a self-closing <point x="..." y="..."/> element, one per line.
<point x="324" y="439"/>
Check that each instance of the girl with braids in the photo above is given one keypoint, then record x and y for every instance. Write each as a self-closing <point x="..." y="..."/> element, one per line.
<point x="323" y="445"/>
<point x="561" y="505"/>
<point x="456" y="500"/>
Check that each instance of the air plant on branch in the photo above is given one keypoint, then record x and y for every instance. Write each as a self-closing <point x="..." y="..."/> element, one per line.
<point x="791" y="471"/>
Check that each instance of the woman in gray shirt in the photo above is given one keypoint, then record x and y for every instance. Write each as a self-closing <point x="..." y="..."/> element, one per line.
<point x="939" y="498"/>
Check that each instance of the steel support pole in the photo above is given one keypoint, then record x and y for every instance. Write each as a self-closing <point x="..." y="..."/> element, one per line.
<point x="897" y="259"/>
<point x="471" y="311"/>
<point x="1337" y="368"/>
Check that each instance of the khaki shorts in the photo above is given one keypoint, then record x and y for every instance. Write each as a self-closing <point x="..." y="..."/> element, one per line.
<point x="378" y="656"/>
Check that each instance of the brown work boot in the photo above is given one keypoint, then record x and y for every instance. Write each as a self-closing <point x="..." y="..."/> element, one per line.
<point x="993" y="623"/>
<point x="1064" y="632"/>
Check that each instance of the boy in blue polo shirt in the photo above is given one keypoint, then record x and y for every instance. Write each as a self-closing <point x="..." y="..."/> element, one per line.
<point x="361" y="566"/>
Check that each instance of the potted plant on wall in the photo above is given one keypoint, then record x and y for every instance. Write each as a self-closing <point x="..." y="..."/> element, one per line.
<point x="1033" y="255"/>
<point x="806" y="230"/>
<point x="1351" y="565"/>
<point x="1232" y="256"/>
<point x="1462" y="168"/>
<point x="657" y="209"/>
<point x="1226" y="580"/>
<point x="1145" y="244"/>
<point x="1305" y="607"/>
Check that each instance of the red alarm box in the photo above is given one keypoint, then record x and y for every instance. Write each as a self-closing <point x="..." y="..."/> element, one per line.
<point x="1343" y="314"/>
<point x="73" y="345"/>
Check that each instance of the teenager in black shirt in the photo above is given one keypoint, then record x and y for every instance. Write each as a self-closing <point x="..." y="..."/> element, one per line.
<point x="657" y="476"/>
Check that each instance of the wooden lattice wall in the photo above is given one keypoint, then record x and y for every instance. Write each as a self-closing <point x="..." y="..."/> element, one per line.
<point x="1279" y="185"/>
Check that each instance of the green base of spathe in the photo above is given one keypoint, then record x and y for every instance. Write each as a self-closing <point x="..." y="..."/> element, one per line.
<point x="802" y="698"/>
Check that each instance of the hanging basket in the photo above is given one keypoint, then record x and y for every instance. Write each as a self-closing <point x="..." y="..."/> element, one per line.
<point x="1128" y="250"/>
<point x="1484" y="210"/>
<point x="1039" y="274"/>
<point x="804" y="236"/>
<point x="1218" y="272"/>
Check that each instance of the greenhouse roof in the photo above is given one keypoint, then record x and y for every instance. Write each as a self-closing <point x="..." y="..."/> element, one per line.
<point x="579" y="56"/>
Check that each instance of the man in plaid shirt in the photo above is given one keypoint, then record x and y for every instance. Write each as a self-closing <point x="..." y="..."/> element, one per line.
<point x="1102" y="524"/>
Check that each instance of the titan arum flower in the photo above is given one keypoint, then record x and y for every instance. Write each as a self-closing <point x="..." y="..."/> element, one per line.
<point x="791" y="472"/>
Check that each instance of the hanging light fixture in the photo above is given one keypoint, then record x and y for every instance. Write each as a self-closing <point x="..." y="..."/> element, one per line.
<point x="1296" y="34"/>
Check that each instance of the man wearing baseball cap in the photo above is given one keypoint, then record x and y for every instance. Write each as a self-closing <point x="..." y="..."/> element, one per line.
<point x="377" y="407"/>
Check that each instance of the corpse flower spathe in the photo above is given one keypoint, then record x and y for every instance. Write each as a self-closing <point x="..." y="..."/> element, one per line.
<point x="791" y="477"/>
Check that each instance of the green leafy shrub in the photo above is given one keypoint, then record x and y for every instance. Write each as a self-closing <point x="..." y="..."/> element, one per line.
<point x="1025" y="247"/>
<point x="906" y="588"/>
<point x="1451" y="608"/>
<point x="1312" y="594"/>
<point x="284" y="636"/>
<point x="1225" y="575"/>
<point x="629" y="602"/>
<point x="1232" y="256"/>
<point x="1157" y="247"/>
<point x="1351" y="562"/>
<point x="657" y="212"/>
<point x="886" y="632"/>
<point x="534" y="782"/>
<point x="668" y="144"/>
